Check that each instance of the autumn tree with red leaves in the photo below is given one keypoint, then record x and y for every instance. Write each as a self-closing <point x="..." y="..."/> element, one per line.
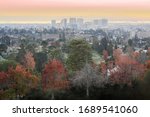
<point x="54" y="77"/>
<point x="127" y="70"/>
<point x="18" y="80"/>
<point x="148" y="64"/>
<point x="103" y="69"/>
<point x="29" y="61"/>
<point x="116" y="53"/>
<point x="135" y="55"/>
<point x="22" y="79"/>
<point x="103" y="65"/>
<point x="105" y="55"/>
<point x="6" y="91"/>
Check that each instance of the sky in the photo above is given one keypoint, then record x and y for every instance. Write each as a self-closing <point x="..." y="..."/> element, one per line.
<point x="43" y="10"/>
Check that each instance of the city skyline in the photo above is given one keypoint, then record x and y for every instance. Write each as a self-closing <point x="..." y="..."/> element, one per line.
<point x="45" y="10"/>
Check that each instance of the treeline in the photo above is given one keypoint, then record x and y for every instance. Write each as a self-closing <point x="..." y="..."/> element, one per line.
<point x="69" y="72"/>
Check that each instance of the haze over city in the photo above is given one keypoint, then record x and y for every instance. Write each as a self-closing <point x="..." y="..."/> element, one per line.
<point x="42" y="11"/>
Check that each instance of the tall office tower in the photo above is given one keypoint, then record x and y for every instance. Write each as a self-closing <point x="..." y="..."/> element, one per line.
<point x="73" y="23"/>
<point x="53" y="23"/>
<point x="80" y="23"/>
<point x="103" y="22"/>
<point x="64" y="23"/>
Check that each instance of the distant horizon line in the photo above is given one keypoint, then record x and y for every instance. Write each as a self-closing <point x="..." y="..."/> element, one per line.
<point x="48" y="22"/>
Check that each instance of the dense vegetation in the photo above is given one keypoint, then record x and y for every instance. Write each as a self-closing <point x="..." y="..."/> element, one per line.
<point x="70" y="72"/>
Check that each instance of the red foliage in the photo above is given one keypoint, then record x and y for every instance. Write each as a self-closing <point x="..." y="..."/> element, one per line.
<point x="148" y="51"/>
<point x="54" y="76"/>
<point x="21" y="79"/>
<point x="103" y="68"/>
<point x="127" y="70"/>
<point x="148" y="64"/>
<point x="29" y="61"/>
<point x="17" y="79"/>
<point x="105" y="55"/>
<point x="117" y="53"/>
<point x="3" y="76"/>
<point x="135" y="55"/>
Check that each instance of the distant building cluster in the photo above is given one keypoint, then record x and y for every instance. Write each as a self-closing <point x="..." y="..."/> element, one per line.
<point x="79" y="23"/>
<point x="57" y="33"/>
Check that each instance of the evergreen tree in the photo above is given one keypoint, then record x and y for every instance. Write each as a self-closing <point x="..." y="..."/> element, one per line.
<point x="79" y="53"/>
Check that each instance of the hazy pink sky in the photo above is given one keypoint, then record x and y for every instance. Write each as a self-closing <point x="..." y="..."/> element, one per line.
<point x="135" y="9"/>
<point x="8" y="4"/>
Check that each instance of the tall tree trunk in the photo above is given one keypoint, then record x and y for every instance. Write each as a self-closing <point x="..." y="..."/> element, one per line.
<point x="87" y="91"/>
<point x="53" y="96"/>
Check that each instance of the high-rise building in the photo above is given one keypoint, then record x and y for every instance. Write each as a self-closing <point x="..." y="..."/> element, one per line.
<point x="80" y="23"/>
<point x="103" y="22"/>
<point x="73" y="23"/>
<point x="53" y="23"/>
<point x="72" y="20"/>
<point x="64" y="23"/>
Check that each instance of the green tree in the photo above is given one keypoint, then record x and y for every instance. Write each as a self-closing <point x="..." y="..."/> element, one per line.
<point x="20" y="55"/>
<point x="4" y="65"/>
<point x="55" y="53"/>
<point x="110" y="49"/>
<point x="103" y="45"/>
<point x="3" y="48"/>
<point x="44" y="45"/>
<point x="79" y="53"/>
<point x="95" y="44"/>
<point x="145" y="85"/>
<point x="40" y="60"/>
<point x="130" y="42"/>
<point x="31" y="47"/>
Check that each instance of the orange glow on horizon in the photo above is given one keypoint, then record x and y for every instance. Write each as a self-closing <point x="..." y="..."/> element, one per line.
<point x="42" y="10"/>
